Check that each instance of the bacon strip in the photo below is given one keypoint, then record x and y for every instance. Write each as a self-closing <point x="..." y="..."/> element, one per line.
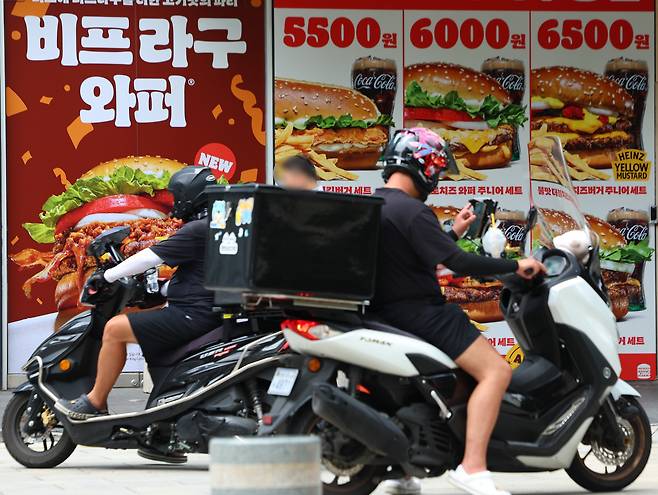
<point x="44" y="275"/>
<point x="70" y="249"/>
<point x="28" y="258"/>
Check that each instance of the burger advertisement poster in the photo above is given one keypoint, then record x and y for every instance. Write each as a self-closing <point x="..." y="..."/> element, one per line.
<point x="104" y="102"/>
<point x="592" y="86"/>
<point x="337" y="91"/>
<point x="488" y="78"/>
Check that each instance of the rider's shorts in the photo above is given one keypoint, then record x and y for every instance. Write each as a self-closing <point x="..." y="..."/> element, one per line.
<point x="168" y="328"/>
<point x="445" y="326"/>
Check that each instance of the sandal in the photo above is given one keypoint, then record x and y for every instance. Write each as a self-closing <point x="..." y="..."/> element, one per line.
<point x="79" y="408"/>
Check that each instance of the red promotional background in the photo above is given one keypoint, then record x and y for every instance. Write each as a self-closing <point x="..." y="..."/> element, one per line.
<point x="475" y="5"/>
<point x="47" y="145"/>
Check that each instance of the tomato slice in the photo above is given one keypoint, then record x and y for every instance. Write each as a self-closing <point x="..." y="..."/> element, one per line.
<point x="445" y="280"/>
<point x="163" y="196"/>
<point x="117" y="203"/>
<point x="438" y="115"/>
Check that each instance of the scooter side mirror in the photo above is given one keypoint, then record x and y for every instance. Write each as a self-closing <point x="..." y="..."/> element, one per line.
<point x="530" y="222"/>
<point x="531" y="219"/>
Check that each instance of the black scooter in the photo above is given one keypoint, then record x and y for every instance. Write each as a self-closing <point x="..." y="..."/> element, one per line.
<point x="215" y="385"/>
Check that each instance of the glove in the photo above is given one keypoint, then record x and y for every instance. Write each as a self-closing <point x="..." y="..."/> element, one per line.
<point x="96" y="281"/>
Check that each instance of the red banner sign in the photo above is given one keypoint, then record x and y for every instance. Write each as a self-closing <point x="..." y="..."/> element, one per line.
<point x="144" y="86"/>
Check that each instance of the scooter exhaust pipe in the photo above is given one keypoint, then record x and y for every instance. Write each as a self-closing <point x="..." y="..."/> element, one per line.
<point x="360" y="422"/>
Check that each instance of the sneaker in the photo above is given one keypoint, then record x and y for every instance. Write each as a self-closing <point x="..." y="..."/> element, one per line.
<point x="480" y="483"/>
<point x="403" y="486"/>
<point x="79" y="408"/>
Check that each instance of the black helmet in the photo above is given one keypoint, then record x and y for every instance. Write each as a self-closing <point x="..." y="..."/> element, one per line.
<point x="187" y="186"/>
<point x="420" y="153"/>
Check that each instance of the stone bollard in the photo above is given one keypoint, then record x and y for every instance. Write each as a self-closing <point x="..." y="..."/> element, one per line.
<point x="283" y="465"/>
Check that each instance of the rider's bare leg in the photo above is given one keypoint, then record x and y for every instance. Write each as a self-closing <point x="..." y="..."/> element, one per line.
<point x="111" y="359"/>
<point x="493" y="375"/>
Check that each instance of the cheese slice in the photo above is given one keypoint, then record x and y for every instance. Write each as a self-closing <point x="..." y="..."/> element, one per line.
<point x="588" y="125"/>
<point x="473" y="140"/>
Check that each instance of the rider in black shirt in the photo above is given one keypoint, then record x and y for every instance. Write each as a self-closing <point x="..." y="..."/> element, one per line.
<point x="408" y="296"/>
<point x="189" y="312"/>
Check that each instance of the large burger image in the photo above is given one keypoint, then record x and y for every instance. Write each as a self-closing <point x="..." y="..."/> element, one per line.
<point x="337" y="123"/>
<point x="127" y="191"/>
<point x="469" y="109"/>
<point x="589" y="113"/>
<point x="618" y="259"/>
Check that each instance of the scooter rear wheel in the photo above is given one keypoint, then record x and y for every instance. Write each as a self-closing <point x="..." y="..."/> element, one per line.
<point x="338" y="477"/>
<point x="598" y="468"/>
<point x="47" y="449"/>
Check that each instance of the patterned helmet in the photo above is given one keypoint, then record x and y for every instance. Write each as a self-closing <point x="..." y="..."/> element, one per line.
<point x="421" y="154"/>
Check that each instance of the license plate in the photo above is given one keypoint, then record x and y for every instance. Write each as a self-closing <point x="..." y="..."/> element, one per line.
<point x="283" y="381"/>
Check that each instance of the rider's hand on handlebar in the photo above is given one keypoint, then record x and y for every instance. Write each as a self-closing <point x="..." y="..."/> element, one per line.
<point x="463" y="220"/>
<point x="96" y="281"/>
<point x="530" y="268"/>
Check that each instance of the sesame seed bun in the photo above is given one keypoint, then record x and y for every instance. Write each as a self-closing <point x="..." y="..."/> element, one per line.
<point x="609" y="237"/>
<point x="295" y="100"/>
<point x="445" y="213"/>
<point x="557" y="221"/>
<point x="511" y="215"/>
<point x="443" y="77"/>
<point x="619" y="214"/>
<point x="147" y="164"/>
<point x="580" y="87"/>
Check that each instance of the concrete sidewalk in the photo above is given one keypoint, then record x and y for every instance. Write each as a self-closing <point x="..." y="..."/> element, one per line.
<point x="106" y="472"/>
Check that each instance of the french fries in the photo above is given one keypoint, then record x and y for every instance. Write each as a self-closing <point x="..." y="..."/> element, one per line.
<point x="286" y="145"/>
<point x="578" y="168"/>
<point x="576" y="162"/>
<point x="542" y="162"/>
<point x="465" y="173"/>
<point x="330" y="165"/>
<point x="282" y="135"/>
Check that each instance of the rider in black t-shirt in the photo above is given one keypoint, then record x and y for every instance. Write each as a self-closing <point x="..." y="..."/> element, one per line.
<point x="408" y="296"/>
<point x="189" y="312"/>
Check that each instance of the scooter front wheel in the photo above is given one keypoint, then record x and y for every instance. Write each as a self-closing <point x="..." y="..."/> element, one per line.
<point x="47" y="448"/>
<point x="599" y="467"/>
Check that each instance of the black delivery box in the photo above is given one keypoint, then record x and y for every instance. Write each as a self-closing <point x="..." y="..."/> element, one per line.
<point x="270" y="241"/>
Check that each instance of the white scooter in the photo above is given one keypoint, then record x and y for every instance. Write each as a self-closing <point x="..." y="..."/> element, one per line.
<point x="398" y="406"/>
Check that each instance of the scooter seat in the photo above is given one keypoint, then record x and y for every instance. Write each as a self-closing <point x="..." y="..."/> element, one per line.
<point x="180" y="353"/>
<point x="377" y="324"/>
<point x="534" y="373"/>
